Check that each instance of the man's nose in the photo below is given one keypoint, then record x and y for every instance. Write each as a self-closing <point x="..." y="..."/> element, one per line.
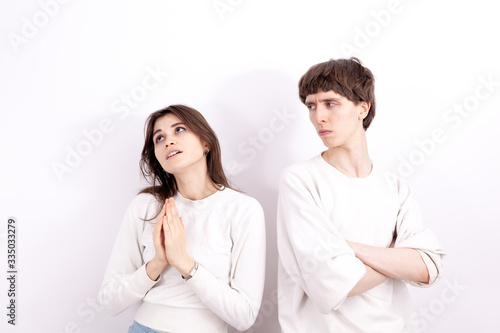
<point x="320" y="116"/>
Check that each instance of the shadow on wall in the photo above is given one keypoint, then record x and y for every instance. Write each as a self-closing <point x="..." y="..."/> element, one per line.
<point x="255" y="115"/>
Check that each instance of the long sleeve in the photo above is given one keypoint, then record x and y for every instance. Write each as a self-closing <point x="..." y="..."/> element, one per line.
<point x="312" y="251"/>
<point x="126" y="281"/>
<point x="412" y="234"/>
<point x="238" y="301"/>
<point x="318" y="208"/>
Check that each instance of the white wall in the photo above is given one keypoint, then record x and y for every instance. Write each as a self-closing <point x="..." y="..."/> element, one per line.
<point x="65" y="73"/>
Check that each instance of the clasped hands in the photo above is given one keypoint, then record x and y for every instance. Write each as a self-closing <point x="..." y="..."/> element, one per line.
<point x="169" y="239"/>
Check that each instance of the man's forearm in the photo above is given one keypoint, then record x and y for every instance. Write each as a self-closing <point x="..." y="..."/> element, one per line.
<point x="371" y="279"/>
<point x="401" y="263"/>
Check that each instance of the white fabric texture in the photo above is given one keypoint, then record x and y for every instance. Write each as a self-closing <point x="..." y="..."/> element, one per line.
<point x="319" y="208"/>
<point x="225" y="234"/>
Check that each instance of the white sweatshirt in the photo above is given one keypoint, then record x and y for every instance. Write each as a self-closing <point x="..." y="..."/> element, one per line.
<point x="225" y="234"/>
<point x="318" y="209"/>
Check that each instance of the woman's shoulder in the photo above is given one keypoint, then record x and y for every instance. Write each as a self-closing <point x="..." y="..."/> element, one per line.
<point x="242" y="210"/>
<point x="144" y="205"/>
<point x="240" y="199"/>
<point x="143" y="199"/>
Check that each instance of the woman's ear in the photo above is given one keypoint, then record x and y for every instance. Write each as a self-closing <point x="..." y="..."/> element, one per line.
<point x="206" y="149"/>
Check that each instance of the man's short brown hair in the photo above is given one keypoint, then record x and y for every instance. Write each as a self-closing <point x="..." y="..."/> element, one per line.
<point x="346" y="77"/>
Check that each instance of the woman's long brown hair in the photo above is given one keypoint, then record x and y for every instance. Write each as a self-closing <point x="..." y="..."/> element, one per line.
<point x="163" y="184"/>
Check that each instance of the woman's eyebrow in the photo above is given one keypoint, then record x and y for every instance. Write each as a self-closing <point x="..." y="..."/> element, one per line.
<point x="173" y="125"/>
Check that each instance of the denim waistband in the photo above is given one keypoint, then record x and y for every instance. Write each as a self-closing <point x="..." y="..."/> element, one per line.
<point x="138" y="328"/>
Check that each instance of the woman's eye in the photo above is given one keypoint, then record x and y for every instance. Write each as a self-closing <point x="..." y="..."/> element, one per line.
<point x="179" y="129"/>
<point x="159" y="138"/>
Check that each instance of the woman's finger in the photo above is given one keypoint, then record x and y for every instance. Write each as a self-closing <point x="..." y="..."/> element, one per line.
<point x="173" y="209"/>
<point x="166" y="226"/>
<point x="159" y="222"/>
<point x="169" y="217"/>
<point x="175" y="214"/>
<point x="158" y="226"/>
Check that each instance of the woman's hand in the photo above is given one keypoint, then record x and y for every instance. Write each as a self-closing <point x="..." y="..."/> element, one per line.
<point x="175" y="239"/>
<point x="159" y="261"/>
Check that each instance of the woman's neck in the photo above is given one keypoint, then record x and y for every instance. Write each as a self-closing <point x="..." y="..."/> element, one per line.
<point x="195" y="187"/>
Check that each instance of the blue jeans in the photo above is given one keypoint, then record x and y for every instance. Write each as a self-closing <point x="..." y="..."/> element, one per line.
<point x="138" y="328"/>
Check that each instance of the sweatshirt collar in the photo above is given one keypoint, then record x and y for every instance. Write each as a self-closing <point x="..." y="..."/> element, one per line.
<point x="201" y="204"/>
<point x="341" y="175"/>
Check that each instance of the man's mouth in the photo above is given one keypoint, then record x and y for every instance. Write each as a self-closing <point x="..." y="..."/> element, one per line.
<point x="324" y="132"/>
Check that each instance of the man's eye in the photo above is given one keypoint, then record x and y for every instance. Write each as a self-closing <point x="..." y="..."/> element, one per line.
<point x="330" y="104"/>
<point x="311" y="107"/>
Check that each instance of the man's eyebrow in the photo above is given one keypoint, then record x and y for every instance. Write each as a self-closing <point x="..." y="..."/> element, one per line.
<point x="329" y="99"/>
<point x="326" y="99"/>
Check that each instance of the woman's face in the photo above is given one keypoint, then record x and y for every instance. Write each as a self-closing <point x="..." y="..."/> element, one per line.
<point x="177" y="148"/>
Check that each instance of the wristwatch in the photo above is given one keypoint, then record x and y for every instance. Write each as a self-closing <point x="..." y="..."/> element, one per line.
<point x="192" y="272"/>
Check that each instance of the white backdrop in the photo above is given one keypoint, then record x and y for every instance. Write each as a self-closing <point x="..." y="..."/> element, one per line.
<point x="79" y="78"/>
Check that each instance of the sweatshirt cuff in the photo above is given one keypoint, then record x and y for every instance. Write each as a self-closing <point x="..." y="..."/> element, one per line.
<point x="140" y="283"/>
<point x="203" y="283"/>
<point x="431" y="268"/>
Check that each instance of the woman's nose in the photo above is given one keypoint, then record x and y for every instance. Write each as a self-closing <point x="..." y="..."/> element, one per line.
<point x="169" y="142"/>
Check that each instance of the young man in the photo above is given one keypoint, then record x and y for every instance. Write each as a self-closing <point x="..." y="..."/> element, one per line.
<point x="349" y="233"/>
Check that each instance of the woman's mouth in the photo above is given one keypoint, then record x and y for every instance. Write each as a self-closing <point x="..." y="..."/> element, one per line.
<point x="173" y="153"/>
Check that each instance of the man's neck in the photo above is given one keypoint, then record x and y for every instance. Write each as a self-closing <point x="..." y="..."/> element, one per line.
<point x="353" y="161"/>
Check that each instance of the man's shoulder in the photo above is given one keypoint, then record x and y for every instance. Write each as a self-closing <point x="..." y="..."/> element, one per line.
<point x="308" y="166"/>
<point x="303" y="172"/>
<point x="393" y="181"/>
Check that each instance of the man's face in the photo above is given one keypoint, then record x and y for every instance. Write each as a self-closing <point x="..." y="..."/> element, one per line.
<point x="337" y="120"/>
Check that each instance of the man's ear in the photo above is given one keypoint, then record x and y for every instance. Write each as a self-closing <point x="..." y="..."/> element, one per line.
<point x="364" y="108"/>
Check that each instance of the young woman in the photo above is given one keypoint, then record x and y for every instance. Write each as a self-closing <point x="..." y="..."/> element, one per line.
<point x="190" y="248"/>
